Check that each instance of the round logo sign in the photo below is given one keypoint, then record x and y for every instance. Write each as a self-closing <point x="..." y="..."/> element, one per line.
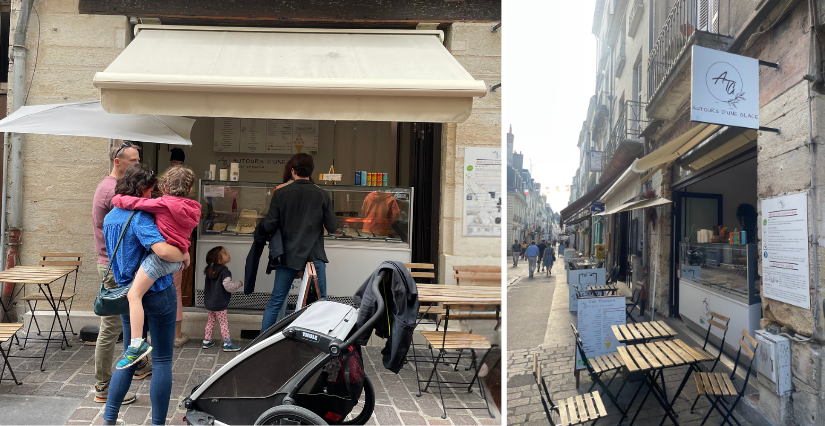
<point x="725" y="83"/>
<point x="469" y="168"/>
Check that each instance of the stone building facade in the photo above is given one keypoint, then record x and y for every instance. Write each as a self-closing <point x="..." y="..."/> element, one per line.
<point x="66" y="48"/>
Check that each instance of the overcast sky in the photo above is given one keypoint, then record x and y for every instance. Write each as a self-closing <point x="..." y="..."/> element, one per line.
<point x="549" y="75"/>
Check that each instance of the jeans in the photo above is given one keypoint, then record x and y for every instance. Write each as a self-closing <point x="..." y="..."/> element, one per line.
<point x="515" y="258"/>
<point x="156" y="267"/>
<point x="160" y="309"/>
<point x="276" y="308"/>
<point x="110" y="328"/>
<point x="532" y="262"/>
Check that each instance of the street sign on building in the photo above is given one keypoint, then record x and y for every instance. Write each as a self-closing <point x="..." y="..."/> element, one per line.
<point x="724" y="89"/>
<point x="595" y="161"/>
<point x="597" y="207"/>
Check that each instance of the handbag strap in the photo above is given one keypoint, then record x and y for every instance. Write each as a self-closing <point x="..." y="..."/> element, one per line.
<point x="119" y="239"/>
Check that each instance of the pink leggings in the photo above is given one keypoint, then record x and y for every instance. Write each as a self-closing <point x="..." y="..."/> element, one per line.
<point x="210" y="322"/>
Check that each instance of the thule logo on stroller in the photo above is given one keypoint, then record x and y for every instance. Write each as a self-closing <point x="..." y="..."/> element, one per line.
<point x="309" y="336"/>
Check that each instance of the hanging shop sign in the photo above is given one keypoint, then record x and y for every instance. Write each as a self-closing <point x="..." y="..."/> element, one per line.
<point x="482" y="192"/>
<point x="597" y="207"/>
<point x="724" y="89"/>
<point x="785" y="273"/>
<point x="595" y="161"/>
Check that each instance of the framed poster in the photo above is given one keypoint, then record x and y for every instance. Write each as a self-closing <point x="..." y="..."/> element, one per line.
<point x="785" y="270"/>
<point x="482" y="192"/>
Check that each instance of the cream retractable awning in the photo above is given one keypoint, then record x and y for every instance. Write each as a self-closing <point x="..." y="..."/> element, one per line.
<point x="675" y="148"/>
<point x="313" y="74"/>
<point x="634" y="205"/>
<point x="625" y="188"/>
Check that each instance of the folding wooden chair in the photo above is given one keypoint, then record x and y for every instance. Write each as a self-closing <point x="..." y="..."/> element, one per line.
<point x="714" y="322"/>
<point x="633" y="303"/>
<point x="572" y="411"/>
<point x="66" y="299"/>
<point x="599" y="366"/>
<point x="7" y="332"/>
<point x="719" y="387"/>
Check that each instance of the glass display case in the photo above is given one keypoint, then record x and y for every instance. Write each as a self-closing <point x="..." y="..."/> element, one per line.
<point x="724" y="269"/>
<point x="366" y="215"/>
<point x="374" y="225"/>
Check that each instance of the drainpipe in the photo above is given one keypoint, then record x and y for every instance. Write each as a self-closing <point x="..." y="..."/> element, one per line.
<point x="15" y="167"/>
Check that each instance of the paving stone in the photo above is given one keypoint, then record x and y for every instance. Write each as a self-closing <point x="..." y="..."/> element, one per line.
<point x="386" y="415"/>
<point x="48" y="389"/>
<point x="85" y="414"/>
<point x="73" y="391"/>
<point x="135" y="415"/>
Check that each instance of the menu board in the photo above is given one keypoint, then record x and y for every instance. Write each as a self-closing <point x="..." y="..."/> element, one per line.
<point x="253" y="135"/>
<point x="482" y="192"/>
<point x="259" y="136"/>
<point x="595" y="317"/>
<point x="227" y="134"/>
<point x="785" y="271"/>
<point x="305" y="137"/>
<point x="279" y="136"/>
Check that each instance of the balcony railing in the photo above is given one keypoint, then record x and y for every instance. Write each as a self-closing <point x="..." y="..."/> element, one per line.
<point x="683" y="20"/>
<point x="632" y="121"/>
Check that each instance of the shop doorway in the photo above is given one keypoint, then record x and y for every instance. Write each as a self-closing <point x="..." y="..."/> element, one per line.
<point x="624" y="246"/>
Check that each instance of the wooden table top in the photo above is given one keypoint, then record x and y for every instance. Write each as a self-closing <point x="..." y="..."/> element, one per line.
<point x="642" y="331"/>
<point x="459" y="295"/>
<point x="35" y="274"/>
<point x="662" y="354"/>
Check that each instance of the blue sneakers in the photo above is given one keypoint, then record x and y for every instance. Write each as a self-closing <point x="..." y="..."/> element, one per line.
<point x="230" y="347"/>
<point x="208" y="343"/>
<point x="133" y="355"/>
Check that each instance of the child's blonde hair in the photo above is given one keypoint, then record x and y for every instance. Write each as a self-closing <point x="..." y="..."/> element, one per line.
<point x="178" y="181"/>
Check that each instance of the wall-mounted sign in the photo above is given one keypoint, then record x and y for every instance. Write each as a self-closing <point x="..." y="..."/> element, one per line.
<point x="258" y="136"/>
<point x="724" y="88"/>
<point x="785" y="273"/>
<point x="482" y="192"/>
<point x="597" y="207"/>
<point x="595" y="161"/>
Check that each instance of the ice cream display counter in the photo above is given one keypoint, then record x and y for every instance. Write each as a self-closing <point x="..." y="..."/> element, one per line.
<point x="374" y="225"/>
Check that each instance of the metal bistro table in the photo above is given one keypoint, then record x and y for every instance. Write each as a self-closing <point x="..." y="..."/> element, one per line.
<point x="451" y="296"/>
<point x="642" y="332"/>
<point x="45" y="277"/>
<point x="651" y="359"/>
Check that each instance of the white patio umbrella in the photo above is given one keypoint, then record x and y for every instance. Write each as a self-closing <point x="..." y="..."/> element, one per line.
<point x="89" y="119"/>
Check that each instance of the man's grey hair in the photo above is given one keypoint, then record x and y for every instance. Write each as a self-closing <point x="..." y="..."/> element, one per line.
<point x="114" y="149"/>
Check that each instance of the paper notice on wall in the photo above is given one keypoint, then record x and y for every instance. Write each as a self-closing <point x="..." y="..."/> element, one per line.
<point x="593" y="322"/>
<point x="785" y="273"/>
<point x="482" y="192"/>
<point x="305" y="137"/>
<point x="279" y="137"/>
<point x="227" y="135"/>
<point x="253" y="135"/>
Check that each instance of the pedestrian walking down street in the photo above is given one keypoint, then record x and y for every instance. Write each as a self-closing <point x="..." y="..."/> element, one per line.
<point x="516" y="252"/>
<point x="524" y="250"/>
<point x="532" y="253"/>
<point x="549" y="259"/>
<point x="542" y="247"/>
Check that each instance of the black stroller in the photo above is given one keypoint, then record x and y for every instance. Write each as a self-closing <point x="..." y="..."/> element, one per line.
<point x="306" y="369"/>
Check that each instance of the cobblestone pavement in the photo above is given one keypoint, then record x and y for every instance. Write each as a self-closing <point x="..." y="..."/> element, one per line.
<point x="556" y="353"/>
<point x="70" y="374"/>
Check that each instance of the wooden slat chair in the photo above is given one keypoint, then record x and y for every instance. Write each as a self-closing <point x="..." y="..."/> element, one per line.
<point x="597" y="367"/>
<point x="612" y="277"/>
<point x="572" y="411"/>
<point x="714" y="322"/>
<point x="66" y="298"/>
<point x="426" y="271"/>
<point x="719" y="387"/>
<point x="7" y="332"/>
<point x="439" y="342"/>
<point x="633" y="303"/>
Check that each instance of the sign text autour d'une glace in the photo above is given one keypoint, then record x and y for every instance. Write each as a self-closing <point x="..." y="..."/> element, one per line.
<point x="724" y="89"/>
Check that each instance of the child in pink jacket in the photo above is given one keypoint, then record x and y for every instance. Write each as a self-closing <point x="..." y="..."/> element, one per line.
<point x="176" y="217"/>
